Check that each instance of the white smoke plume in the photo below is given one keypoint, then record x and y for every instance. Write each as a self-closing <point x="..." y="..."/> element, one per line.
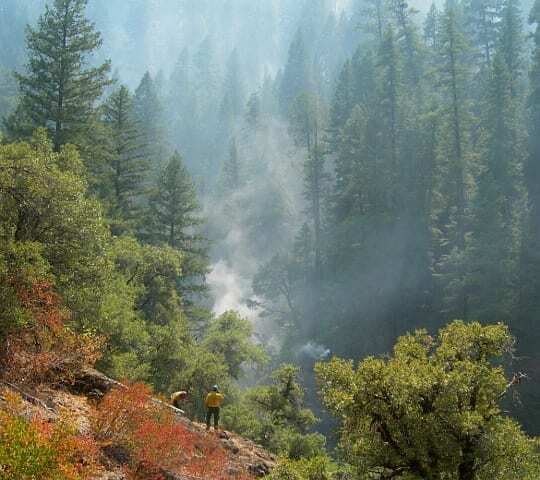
<point x="314" y="351"/>
<point x="229" y="290"/>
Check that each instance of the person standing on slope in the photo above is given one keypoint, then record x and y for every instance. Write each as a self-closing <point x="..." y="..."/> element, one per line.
<point x="213" y="403"/>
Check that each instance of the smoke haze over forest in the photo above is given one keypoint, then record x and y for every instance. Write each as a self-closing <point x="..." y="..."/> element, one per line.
<point x="337" y="172"/>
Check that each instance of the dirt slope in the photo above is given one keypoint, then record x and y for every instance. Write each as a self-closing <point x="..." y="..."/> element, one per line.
<point x="244" y="459"/>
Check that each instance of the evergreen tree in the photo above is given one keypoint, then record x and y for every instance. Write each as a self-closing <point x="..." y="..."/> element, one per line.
<point x="173" y="220"/>
<point x="494" y="246"/>
<point x="407" y="36"/>
<point x="530" y="261"/>
<point x="231" y="169"/>
<point x="128" y="168"/>
<point x="173" y="207"/>
<point x="483" y="17"/>
<point x="306" y="119"/>
<point x="376" y="17"/>
<point x="60" y="89"/>
<point x="390" y="92"/>
<point x="148" y="113"/>
<point x="451" y="212"/>
<point x="526" y="323"/>
<point x="208" y="137"/>
<point x="207" y="86"/>
<point x="296" y="76"/>
<point x="233" y="101"/>
<point x="432" y="27"/>
<point x="181" y="105"/>
<point x="343" y="101"/>
<point x="510" y="43"/>
<point x="8" y="92"/>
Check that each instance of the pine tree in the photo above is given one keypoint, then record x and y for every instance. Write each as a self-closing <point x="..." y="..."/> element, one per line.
<point x="451" y="221"/>
<point x="315" y="180"/>
<point x="173" y="219"/>
<point x="432" y="27"/>
<point x="453" y="72"/>
<point x="231" y="169"/>
<point x="296" y="76"/>
<point x="232" y="104"/>
<point x="364" y="78"/>
<point x="483" y="17"/>
<point x="494" y="251"/>
<point x="390" y="92"/>
<point x="208" y="136"/>
<point x="407" y="36"/>
<point x="207" y="85"/>
<point x="530" y="262"/>
<point x="181" y="107"/>
<point x="376" y="15"/>
<point x="173" y="208"/>
<point x="149" y="116"/>
<point x="343" y="101"/>
<point x="128" y="168"/>
<point x="60" y="89"/>
<point x="510" y="43"/>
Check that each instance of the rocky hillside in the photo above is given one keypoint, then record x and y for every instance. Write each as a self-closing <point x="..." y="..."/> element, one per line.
<point x="117" y="421"/>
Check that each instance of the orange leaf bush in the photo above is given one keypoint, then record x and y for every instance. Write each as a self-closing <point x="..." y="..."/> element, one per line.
<point x="46" y="350"/>
<point x="38" y="450"/>
<point x="156" y="440"/>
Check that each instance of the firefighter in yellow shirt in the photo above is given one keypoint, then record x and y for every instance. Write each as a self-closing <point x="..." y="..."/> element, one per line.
<point x="213" y="403"/>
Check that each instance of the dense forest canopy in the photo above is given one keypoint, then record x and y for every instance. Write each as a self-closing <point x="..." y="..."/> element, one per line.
<point x="231" y="191"/>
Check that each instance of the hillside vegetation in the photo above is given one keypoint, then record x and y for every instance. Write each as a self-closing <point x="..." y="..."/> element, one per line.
<point x="328" y="210"/>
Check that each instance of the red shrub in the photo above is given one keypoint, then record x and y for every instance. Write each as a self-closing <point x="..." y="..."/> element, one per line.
<point x="46" y="350"/>
<point x="121" y="413"/>
<point x="156" y="439"/>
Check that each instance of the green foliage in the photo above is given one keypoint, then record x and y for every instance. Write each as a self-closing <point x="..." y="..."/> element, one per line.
<point x="46" y="214"/>
<point x="148" y="114"/>
<point x="173" y="219"/>
<point x="229" y="336"/>
<point x="274" y="415"/>
<point x="432" y="409"/>
<point x="22" y="456"/>
<point x="8" y="92"/>
<point x="60" y="91"/>
<point x="36" y="450"/>
<point x="173" y="206"/>
<point x="317" y="468"/>
<point x="200" y="372"/>
<point x="125" y="174"/>
<point x="297" y="76"/>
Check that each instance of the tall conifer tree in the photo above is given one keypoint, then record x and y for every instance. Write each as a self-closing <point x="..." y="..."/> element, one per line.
<point x="530" y="268"/>
<point x="296" y="76"/>
<point x="494" y="248"/>
<point x="451" y="221"/>
<point x="60" y="89"/>
<point x="173" y="219"/>
<point x="149" y="115"/>
<point x="128" y="168"/>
